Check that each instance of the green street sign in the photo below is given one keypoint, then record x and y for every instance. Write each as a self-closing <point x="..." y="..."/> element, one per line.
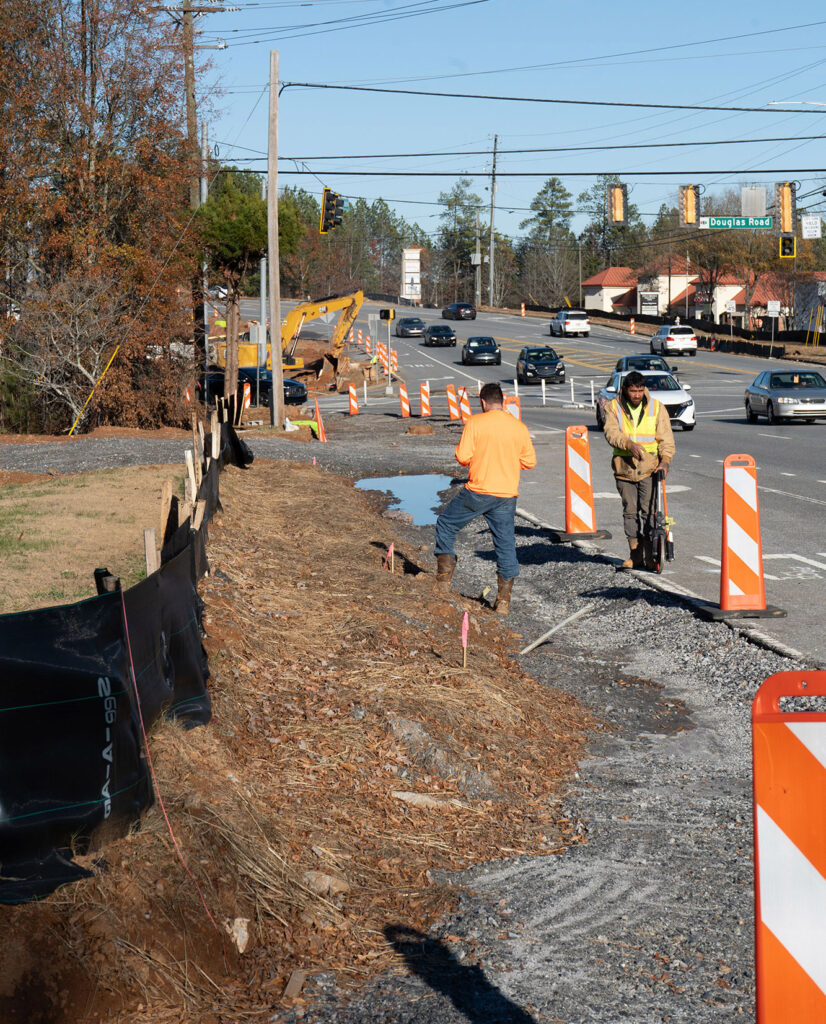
<point x="727" y="223"/>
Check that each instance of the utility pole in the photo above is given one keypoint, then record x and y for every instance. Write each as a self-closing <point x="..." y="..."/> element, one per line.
<point x="492" y="202"/>
<point x="189" y="90"/>
<point x="205" y="265"/>
<point x="687" y="275"/>
<point x="579" y="253"/>
<point x="277" y="397"/>
<point x="262" y="311"/>
<point x="478" y="289"/>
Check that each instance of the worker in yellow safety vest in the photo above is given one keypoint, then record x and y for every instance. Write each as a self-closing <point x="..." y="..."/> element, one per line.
<point x="638" y="428"/>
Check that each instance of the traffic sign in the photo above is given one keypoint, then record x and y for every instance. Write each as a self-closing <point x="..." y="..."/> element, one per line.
<point x="810" y="227"/>
<point x="731" y="306"/>
<point x="725" y="223"/>
<point x="773" y="307"/>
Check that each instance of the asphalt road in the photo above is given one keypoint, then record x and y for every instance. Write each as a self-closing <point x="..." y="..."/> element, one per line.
<point x="791" y="458"/>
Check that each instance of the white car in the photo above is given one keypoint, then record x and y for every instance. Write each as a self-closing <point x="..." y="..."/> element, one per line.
<point x="571" y="321"/>
<point x="675" y="340"/>
<point x="662" y="386"/>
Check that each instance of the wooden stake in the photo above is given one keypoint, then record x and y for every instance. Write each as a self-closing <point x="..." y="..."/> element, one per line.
<point x="190" y="471"/>
<point x="216" y="436"/>
<point x="150" y="552"/>
<point x="189" y="493"/>
<point x="166" y="507"/>
<point x="198" y="517"/>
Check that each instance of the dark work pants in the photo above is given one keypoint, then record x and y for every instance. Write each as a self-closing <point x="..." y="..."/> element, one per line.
<point x="637" y="501"/>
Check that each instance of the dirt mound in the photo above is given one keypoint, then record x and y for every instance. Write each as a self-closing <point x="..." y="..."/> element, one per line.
<point x="350" y="755"/>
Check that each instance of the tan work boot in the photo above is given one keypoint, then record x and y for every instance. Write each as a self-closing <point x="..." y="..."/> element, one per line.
<point x="502" y="604"/>
<point x="635" y="561"/>
<point x="445" y="567"/>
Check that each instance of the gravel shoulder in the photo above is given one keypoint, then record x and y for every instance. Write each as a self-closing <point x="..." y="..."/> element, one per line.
<point x="650" y="917"/>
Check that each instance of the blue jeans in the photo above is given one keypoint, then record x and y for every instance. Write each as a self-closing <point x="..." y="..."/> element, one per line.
<point x="498" y="513"/>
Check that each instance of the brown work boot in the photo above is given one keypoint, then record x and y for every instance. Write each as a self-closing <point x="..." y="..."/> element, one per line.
<point x="445" y="567"/>
<point x="635" y="561"/>
<point x="502" y="604"/>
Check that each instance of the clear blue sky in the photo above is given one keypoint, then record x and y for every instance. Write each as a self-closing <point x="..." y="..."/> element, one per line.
<point x="737" y="54"/>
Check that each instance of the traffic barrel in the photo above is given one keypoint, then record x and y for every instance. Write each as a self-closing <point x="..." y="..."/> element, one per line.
<point x="742" y="589"/>
<point x="322" y="434"/>
<point x="424" y="399"/>
<point x="580" y="516"/>
<point x="464" y="405"/>
<point x="452" y="402"/>
<point x="354" y="401"/>
<point x="789" y="779"/>
<point x="522" y="311"/>
<point x="404" y="401"/>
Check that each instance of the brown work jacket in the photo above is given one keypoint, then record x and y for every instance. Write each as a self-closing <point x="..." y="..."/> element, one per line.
<point x="626" y="467"/>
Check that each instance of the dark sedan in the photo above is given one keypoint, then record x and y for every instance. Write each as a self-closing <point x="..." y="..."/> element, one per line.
<point x="295" y="393"/>
<point x="459" y="311"/>
<point x="439" y="334"/>
<point x="481" y="352"/>
<point x="540" y="363"/>
<point x="410" y="327"/>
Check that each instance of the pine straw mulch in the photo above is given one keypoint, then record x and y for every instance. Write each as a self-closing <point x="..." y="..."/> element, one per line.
<point x="350" y="755"/>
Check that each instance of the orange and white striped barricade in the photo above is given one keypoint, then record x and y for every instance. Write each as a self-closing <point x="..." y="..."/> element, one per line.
<point x="360" y="337"/>
<point x="404" y="401"/>
<point x="522" y="311"/>
<point x="322" y="434"/>
<point x="742" y="590"/>
<point x="580" y="517"/>
<point x="789" y="777"/>
<point x="394" y="360"/>
<point x="247" y="400"/>
<point x="367" y="347"/>
<point x="424" y="399"/>
<point x="452" y="402"/>
<point x="464" y="404"/>
<point x="354" y="400"/>
<point x="351" y="336"/>
<point x="632" y="327"/>
<point x="513" y="405"/>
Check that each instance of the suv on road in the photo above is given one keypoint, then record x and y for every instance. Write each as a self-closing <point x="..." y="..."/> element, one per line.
<point x="571" y="321"/>
<point x="675" y="340"/>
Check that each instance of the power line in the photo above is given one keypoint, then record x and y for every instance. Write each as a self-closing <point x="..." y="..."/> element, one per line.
<point x="541" y="99"/>
<point x="688" y="175"/>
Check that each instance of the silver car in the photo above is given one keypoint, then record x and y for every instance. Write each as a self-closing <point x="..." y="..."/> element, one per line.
<point x="796" y="393"/>
<point x="662" y="386"/>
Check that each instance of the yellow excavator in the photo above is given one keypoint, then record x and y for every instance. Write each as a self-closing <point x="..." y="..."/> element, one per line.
<point x="347" y="306"/>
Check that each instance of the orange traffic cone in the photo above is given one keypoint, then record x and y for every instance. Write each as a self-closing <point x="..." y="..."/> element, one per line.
<point x="742" y="590"/>
<point x="580" y="519"/>
<point x="322" y="435"/>
<point x="452" y="402"/>
<point x="424" y="399"/>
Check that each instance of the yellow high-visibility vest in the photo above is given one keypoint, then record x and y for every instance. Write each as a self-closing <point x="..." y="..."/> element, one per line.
<point x="644" y="432"/>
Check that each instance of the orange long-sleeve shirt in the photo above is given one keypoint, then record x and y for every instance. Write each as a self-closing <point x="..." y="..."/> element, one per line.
<point x="495" y="446"/>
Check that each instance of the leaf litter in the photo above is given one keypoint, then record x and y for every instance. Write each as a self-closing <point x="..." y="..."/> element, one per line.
<point x="350" y="758"/>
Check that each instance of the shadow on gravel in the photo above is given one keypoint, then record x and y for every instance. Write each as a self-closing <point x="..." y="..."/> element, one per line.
<point x="654" y="598"/>
<point x="466" y="986"/>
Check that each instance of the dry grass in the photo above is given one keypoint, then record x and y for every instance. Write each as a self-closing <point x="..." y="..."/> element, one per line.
<point x="335" y="686"/>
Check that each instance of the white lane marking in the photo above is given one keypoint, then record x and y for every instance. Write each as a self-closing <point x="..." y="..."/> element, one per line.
<point x="788" y="474"/>
<point x="454" y="370"/>
<point x="779" y="437"/>
<point x="822" y="481"/>
<point x="607" y="494"/>
<point x="792" y="898"/>
<point x="713" y="412"/>
<point x="789" y="494"/>
<point x="695" y="456"/>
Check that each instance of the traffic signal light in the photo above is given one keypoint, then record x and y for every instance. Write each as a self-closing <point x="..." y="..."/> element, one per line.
<point x="387" y="314"/>
<point x="788" y="247"/>
<point x="689" y="205"/>
<point x="338" y="212"/>
<point x="328" y="211"/>
<point x="617" y="199"/>
<point x="785" y="207"/>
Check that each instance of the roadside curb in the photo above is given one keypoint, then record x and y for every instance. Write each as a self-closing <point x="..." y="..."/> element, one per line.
<point x="688" y="598"/>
